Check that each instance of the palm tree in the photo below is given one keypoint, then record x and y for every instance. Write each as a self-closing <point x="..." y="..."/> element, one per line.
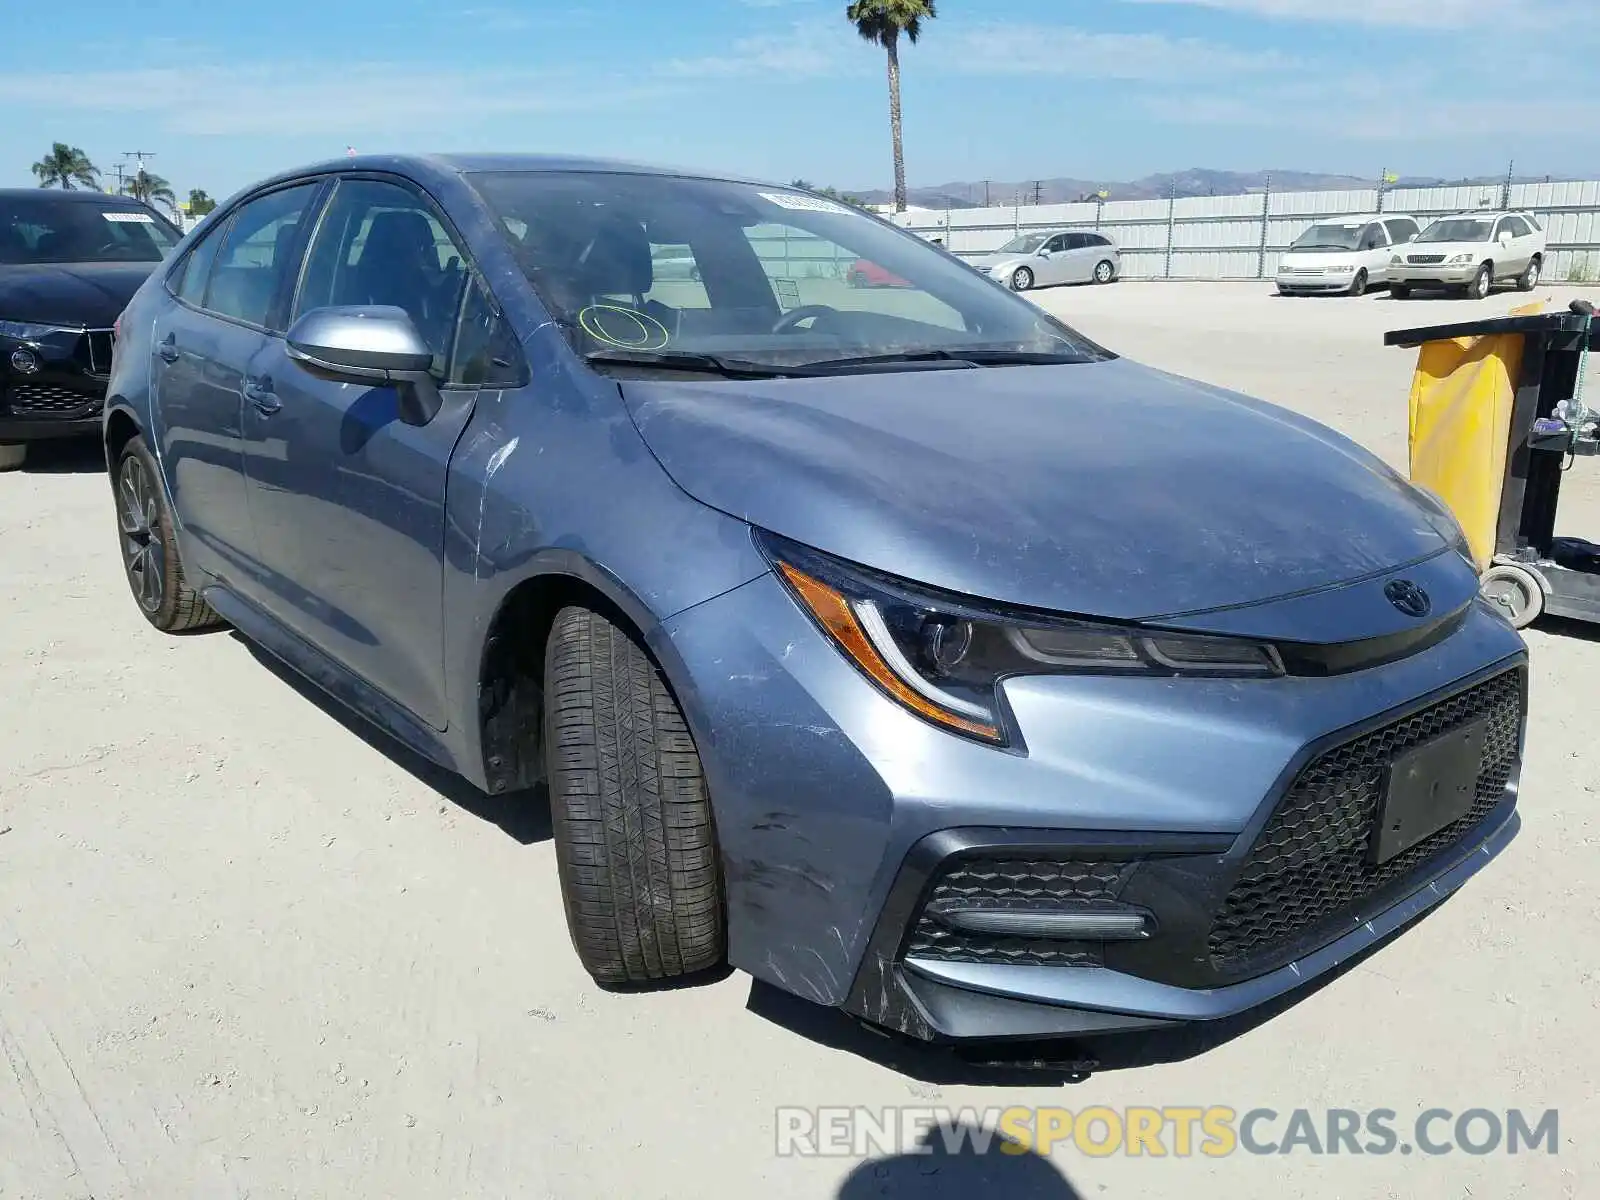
<point x="150" y="187"/>
<point x="66" y="166"/>
<point x="882" y="22"/>
<point x="200" y="203"/>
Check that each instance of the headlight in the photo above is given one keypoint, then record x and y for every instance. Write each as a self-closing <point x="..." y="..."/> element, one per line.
<point x="1396" y="261"/>
<point x="944" y="658"/>
<point x="1459" y="260"/>
<point x="26" y="331"/>
<point x="1339" y="270"/>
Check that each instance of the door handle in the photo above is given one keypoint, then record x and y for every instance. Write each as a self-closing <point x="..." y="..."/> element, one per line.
<point x="168" y="349"/>
<point x="260" y="394"/>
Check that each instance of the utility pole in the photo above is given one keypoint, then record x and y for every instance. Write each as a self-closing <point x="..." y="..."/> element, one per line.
<point x="986" y="193"/>
<point x="122" y="178"/>
<point x="138" y="173"/>
<point x="1505" y="191"/>
<point x="1038" y="191"/>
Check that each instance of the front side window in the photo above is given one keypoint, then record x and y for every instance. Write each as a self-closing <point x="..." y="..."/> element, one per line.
<point x="1401" y="231"/>
<point x="44" y="230"/>
<point x="195" y="272"/>
<point x="258" y="255"/>
<point x="1518" y="227"/>
<point x="380" y="243"/>
<point x="1027" y="243"/>
<point x="1457" y="229"/>
<point x="1372" y="237"/>
<point x="638" y="263"/>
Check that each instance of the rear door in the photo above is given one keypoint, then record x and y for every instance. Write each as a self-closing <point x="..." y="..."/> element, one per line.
<point x="349" y="500"/>
<point x="1373" y="256"/>
<point x="204" y="343"/>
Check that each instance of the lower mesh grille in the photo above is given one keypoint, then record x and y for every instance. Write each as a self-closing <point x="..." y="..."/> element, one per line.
<point x="1309" y="869"/>
<point x="1014" y="883"/>
<point x="49" y="400"/>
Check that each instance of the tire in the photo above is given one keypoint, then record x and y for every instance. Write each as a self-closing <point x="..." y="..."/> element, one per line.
<point x="1358" y="285"/>
<point x="1021" y="279"/>
<point x="1514" y="590"/>
<point x="635" y="843"/>
<point x="150" y="557"/>
<point x="1482" y="283"/>
<point x="1400" y="291"/>
<point x="13" y="456"/>
<point x="1104" y="272"/>
<point x="1529" y="279"/>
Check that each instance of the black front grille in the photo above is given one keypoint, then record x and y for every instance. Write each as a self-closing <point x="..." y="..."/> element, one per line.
<point x="1013" y="883"/>
<point x="1309" y="868"/>
<point x="49" y="400"/>
<point x="1427" y="260"/>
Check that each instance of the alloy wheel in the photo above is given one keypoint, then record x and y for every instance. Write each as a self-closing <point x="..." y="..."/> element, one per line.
<point x="139" y="517"/>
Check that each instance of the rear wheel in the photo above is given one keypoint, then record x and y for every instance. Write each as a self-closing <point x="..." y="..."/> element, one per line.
<point x="1400" y="291"/>
<point x="1021" y="279"/>
<point x="150" y="555"/>
<point x="1104" y="272"/>
<point x="1529" y="279"/>
<point x="1358" y="285"/>
<point x="1481" y="283"/>
<point x="13" y="456"/>
<point x="635" y="844"/>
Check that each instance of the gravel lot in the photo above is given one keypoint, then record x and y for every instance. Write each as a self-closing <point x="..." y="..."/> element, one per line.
<point x="245" y="950"/>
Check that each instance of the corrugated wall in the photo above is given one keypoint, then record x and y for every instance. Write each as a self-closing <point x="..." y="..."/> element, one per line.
<point x="1240" y="237"/>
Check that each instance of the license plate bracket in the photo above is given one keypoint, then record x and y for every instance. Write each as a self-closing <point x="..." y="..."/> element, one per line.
<point x="1427" y="788"/>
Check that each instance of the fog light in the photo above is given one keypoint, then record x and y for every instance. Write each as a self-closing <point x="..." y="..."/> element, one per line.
<point x="1107" y="924"/>
<point x="24" y="361"/>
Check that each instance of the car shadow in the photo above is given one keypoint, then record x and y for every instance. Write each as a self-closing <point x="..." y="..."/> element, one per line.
<point x="1049" y="1063"/>
<point x="961" y="1162"/>
<point x="523" y="816"/>
<point x="65" y="456"/>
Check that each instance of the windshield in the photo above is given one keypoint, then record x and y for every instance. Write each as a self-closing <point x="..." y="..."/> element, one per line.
<point x="36" y="230"/>
<point x="1457" y="229"/>
<point x="666" y="266"/>
<point x="1026" y="244"/>
<point x="1328" y="237"/>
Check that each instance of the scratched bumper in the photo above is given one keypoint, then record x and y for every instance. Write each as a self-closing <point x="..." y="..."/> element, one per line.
<point x="837" y="811"/>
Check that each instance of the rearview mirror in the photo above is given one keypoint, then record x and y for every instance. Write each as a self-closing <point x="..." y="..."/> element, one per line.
<point x="369" y="344"/>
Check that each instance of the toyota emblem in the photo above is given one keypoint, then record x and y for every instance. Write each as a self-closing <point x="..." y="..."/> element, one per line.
<point x="1407" y="597"/>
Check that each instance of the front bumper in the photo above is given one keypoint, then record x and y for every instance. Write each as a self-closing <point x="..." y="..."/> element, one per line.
<point x="838" y="813"/>
<point x="62" y="392"/>
<point x="1428" y="276"/>
<point x="1322" y="281"/>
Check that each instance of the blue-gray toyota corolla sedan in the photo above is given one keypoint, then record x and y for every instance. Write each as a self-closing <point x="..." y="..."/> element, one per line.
<point x="899" y="646"/>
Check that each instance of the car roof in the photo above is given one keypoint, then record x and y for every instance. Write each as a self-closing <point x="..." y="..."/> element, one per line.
<point x="84" y="196"/>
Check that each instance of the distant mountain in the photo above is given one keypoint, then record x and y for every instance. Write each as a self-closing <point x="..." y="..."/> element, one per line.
<point x="1197" y="181"/>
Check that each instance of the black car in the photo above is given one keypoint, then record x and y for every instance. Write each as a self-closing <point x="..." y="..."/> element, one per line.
<point x="69" y="263"/>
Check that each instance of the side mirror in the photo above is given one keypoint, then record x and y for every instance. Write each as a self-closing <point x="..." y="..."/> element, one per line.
<point x="369" y="344"/>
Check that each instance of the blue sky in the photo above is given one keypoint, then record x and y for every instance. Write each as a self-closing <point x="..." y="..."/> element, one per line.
<point x="1098" y="89"/>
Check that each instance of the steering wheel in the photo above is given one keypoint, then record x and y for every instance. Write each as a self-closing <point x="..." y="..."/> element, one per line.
<point x="791" y="319"/>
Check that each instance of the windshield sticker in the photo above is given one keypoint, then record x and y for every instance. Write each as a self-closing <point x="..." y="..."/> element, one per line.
<point x="788" y="293"/>
<point x="625" y="328"/>
<point x="129" y="218"/>
<point x="798" y="203"/>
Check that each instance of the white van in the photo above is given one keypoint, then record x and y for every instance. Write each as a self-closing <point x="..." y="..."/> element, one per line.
<point x="1344" y="254"/>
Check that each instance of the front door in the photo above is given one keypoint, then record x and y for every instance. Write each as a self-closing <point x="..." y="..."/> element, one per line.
<point x="348" y="499"/>
<point x="1055" y="265"/>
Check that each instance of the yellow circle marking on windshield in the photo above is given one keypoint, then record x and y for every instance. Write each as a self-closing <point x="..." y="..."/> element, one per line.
<point x="652" y="334"/>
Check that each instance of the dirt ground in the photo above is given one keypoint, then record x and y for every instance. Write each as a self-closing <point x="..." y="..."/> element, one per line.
<point x="245" y="950"/>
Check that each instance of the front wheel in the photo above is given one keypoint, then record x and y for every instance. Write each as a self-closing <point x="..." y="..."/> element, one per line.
<point x="1104" y="272"/>
<point x="13" y="456"/>
<point x="1481" y="283"/>
<point x="150" y="557"/>
<point x="635" y="845"/>
<point x="1358" y="285"/>
<point x="1529" y="279"/>
<point x="1021" y="279"/>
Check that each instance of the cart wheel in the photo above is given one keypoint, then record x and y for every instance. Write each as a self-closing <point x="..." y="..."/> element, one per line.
<point x="1516" y="591"/>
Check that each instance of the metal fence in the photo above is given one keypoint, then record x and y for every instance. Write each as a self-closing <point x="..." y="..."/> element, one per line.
<point x="1241" y="237"/>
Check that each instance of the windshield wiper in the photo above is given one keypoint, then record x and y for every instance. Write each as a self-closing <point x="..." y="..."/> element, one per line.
<point x="948" y="359"/>
<point x="684" y="360"/>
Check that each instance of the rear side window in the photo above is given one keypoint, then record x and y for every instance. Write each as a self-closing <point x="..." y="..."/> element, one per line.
<point x="196" y="270"/>
<point x="258" y="254"/>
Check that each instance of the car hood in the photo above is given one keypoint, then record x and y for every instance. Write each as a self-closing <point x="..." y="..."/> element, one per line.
<point x="1106" y="489"/>
<point x="87" y="294"/>
<point x="1319" y="258"/>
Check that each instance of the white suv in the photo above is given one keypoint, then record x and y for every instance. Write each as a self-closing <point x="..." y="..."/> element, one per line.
<point x="1343" y="254"/>
<point x="1470" y="253"/>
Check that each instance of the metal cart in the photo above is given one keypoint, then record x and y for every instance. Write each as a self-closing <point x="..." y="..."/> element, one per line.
<point x="1497" y="417"/>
